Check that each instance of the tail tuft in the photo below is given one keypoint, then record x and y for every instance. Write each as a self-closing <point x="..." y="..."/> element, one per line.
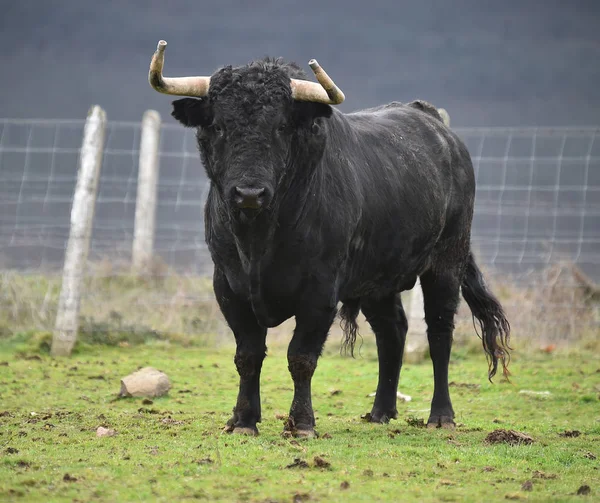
<point x="487" y="310"/>
<point x="349" y="313"/>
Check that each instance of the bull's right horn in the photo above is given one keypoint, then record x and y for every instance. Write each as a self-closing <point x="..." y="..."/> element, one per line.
<point x="178" y="86"/>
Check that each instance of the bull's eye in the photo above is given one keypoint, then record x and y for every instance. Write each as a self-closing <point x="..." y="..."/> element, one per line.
<point x="282" y="128"/>
<point x="315" y="127"/>
<point x="218" y="129"/>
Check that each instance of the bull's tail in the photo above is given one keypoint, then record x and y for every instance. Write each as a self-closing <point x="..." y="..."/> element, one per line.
<point x="486" y="309"/>
<point x="349" y="313"/>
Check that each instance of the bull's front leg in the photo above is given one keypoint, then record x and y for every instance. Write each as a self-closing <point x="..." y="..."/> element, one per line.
<point x="250" y="352"/>
<point x="312" y="327"/>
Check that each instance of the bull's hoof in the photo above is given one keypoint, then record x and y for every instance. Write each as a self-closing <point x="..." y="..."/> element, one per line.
<point x="300" y="433"/>
<point x="291" y="429"/>
<point x="380" y="417"/>
<point x="445" y="422"/>
<point x="239" y="430"/>
<point x="305" y="433"/>
<point x="230" y="427"/>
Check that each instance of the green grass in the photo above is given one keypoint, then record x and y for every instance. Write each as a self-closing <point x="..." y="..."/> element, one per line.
<point x="173" y="450"/>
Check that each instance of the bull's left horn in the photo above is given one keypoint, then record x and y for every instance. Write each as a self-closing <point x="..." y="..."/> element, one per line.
<point x="324" y="92"/>
<point x="179" y="86"/>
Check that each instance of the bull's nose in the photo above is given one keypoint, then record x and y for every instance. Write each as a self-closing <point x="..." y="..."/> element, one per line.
<point x="250" y="198"/>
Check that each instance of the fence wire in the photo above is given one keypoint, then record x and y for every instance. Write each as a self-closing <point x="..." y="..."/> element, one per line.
<point x="536" y="213"/>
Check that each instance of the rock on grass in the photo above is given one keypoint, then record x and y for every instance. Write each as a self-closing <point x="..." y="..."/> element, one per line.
<point x="146" y="382"/>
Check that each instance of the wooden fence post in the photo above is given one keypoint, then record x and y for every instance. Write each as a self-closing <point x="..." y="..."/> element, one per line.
<point x="82" y="218"/>
<point x="145" y="205"/>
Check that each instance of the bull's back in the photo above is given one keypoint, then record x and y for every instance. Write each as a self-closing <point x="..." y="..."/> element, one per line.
<point x="417" y="185"/>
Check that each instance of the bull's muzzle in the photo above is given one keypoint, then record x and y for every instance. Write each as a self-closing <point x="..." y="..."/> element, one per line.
<point x="249" y="198"/>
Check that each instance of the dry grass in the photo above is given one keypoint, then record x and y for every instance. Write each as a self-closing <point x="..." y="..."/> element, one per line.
<point x="553" y="308"/>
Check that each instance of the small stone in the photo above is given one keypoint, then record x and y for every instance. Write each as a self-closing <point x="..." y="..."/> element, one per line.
<point x="146" y="382"/>
<point x="105" y="432"/>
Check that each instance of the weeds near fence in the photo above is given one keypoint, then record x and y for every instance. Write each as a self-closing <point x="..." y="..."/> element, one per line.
<point x="554" y="308"/>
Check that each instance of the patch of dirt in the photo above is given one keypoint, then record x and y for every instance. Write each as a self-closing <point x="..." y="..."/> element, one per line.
<point x="415" y="422"/>
<point x="144" y="410"/>
<point x="204" y="461"/>
<point x="170" y="420"/>
<point x="335" y="392"/>
<point x="510" y="437"/>
<point x="537" y="474"/>
<point x="514" y="496"/>
<point x="489" y="469"/>
<point x="589" y="455"/>
<point x="23" y="464"/>
<point x="344" y="485"/>
<point x="584" y="490"/>
<point x="299" y="497"/>
<point x="570" y="434"/>
<point x="321" y="463"/>
<point x="298" y="463"/>
<point x="147" y="401"/>
<point x="527" y="486"/>
<point x="11" y="450"/>
<point x="368" y="473"/>
<point x="326" y="435"/>
<point x="69" y="478"/>
<point x="5" y="413"/>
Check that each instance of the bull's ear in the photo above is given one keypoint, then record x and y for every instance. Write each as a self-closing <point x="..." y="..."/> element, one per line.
<point x="307" y="112"/>
<point x="191" y="112"/>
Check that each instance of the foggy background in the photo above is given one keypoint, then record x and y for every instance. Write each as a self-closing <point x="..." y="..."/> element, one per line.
<point x="490" y="63"/>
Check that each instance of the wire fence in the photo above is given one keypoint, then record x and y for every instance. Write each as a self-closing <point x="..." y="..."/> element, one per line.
<point x="537" y="209"/>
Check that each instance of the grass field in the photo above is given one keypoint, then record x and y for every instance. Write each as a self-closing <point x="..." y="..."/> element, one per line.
<point x="172" y="448"/>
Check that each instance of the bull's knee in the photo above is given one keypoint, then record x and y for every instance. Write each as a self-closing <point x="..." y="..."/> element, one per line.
<point x="248" y="364"/>
<point x="302" y="367"/>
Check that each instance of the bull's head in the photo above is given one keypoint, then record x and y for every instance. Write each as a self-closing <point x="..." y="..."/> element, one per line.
<point x="253" y="122"/>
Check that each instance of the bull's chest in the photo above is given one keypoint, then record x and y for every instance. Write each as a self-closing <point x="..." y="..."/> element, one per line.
<point x="280" y="284"/>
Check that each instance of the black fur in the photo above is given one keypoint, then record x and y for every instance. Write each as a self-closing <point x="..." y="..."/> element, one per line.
<point x="356" y="207"/>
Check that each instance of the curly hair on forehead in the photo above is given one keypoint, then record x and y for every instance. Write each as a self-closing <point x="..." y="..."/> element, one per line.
<point x="260" y="81"/>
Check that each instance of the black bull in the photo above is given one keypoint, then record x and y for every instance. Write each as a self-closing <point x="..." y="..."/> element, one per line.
<point x="309" y="207"/>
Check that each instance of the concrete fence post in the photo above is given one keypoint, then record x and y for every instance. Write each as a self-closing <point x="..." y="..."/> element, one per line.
<point x="145" y="205"/>
<point x="417" y="328"/>
<point x="82" y="218"/>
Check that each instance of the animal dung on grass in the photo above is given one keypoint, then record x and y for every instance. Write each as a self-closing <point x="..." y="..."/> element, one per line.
<point x="147" y="382"/>
<point x="510" y="437"/>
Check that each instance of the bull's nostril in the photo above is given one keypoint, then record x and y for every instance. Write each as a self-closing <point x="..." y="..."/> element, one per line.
<point x="249" y="197"/>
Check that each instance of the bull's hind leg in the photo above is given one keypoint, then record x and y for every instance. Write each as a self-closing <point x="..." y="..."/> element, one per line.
<point x="251" y="349"/>
<point x="388" y="321"/>
<point x="441" y="296"/>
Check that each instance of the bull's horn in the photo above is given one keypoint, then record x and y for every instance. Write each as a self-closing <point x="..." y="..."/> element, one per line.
<point x="179" y="86"/>
<point x="324" y="92"/>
